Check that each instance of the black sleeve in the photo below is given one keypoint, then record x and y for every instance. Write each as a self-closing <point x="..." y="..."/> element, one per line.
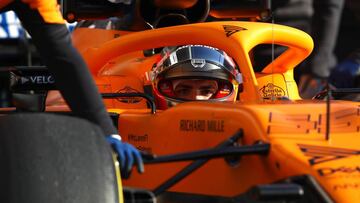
<point x="73" y="78"/>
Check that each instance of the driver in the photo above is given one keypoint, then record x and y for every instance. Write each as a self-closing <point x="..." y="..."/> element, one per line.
<point x="194" y="73"/>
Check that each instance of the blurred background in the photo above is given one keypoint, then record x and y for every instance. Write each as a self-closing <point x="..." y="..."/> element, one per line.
<point x="333" y="24"/>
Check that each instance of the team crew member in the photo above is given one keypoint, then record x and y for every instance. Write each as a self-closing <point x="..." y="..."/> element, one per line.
<point x="194" y="73"/>
<point x="43" y="20"/>
<point x="321" y="20"/>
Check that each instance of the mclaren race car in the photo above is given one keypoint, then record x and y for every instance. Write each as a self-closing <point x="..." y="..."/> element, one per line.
<point x="267" y="145"/>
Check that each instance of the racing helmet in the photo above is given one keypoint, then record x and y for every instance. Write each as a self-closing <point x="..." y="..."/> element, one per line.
<point x="194" y="73"/>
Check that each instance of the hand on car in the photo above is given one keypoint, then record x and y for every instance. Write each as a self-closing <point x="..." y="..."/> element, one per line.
<point x="128" y="156"/>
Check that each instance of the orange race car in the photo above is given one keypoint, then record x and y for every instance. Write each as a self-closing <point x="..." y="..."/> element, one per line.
<point x="263" y="143"/>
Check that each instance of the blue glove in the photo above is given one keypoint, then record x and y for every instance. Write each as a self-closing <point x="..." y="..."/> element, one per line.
<point x="128" y="155"/>
<point x="344" y="74"/>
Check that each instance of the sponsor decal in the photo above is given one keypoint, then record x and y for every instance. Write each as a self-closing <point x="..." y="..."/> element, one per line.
<point x="345" y="120"/>
<point x="319" y="154"/>
<point x="128" y="100"/>
<point x="140" y="142"/>
<point x="196" y="45"/>
<point x="24" y="80"/>
<point x="198" y="63"/>
<point x="343" y="170"/>
<point x="138" y="138"/>
<point x="202" y="125"/>
<point x="144" y="148"/>
<point x="232" y="29"/>
<point x="346" y="186"/>
<point x="139" y="60"/>
<point x="39" y="80"/>
<point x="271" y="90"/>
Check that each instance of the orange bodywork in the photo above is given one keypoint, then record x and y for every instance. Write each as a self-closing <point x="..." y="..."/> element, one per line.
<point x="295" y="128"/>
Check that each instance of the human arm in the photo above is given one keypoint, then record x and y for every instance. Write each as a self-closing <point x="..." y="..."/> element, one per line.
<point x="128" y="155"/>
<point x="73" y="78"/>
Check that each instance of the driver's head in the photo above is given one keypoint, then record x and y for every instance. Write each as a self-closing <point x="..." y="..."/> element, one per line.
<point x="195" y="73"/>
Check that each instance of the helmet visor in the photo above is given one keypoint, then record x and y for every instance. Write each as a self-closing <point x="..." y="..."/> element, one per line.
<point x="195" y="89"/>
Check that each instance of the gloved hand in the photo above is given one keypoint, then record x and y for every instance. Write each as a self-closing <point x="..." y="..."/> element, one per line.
<point x="128" y="155"/>
<point x="344" y="74"/>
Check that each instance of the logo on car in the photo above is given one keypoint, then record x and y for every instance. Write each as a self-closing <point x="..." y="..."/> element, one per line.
<point x="129" y="100"/>
<point x="270" y="90"/>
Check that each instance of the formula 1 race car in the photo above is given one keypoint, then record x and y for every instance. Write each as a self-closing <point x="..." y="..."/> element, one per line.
<point x="268" y="145"/>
